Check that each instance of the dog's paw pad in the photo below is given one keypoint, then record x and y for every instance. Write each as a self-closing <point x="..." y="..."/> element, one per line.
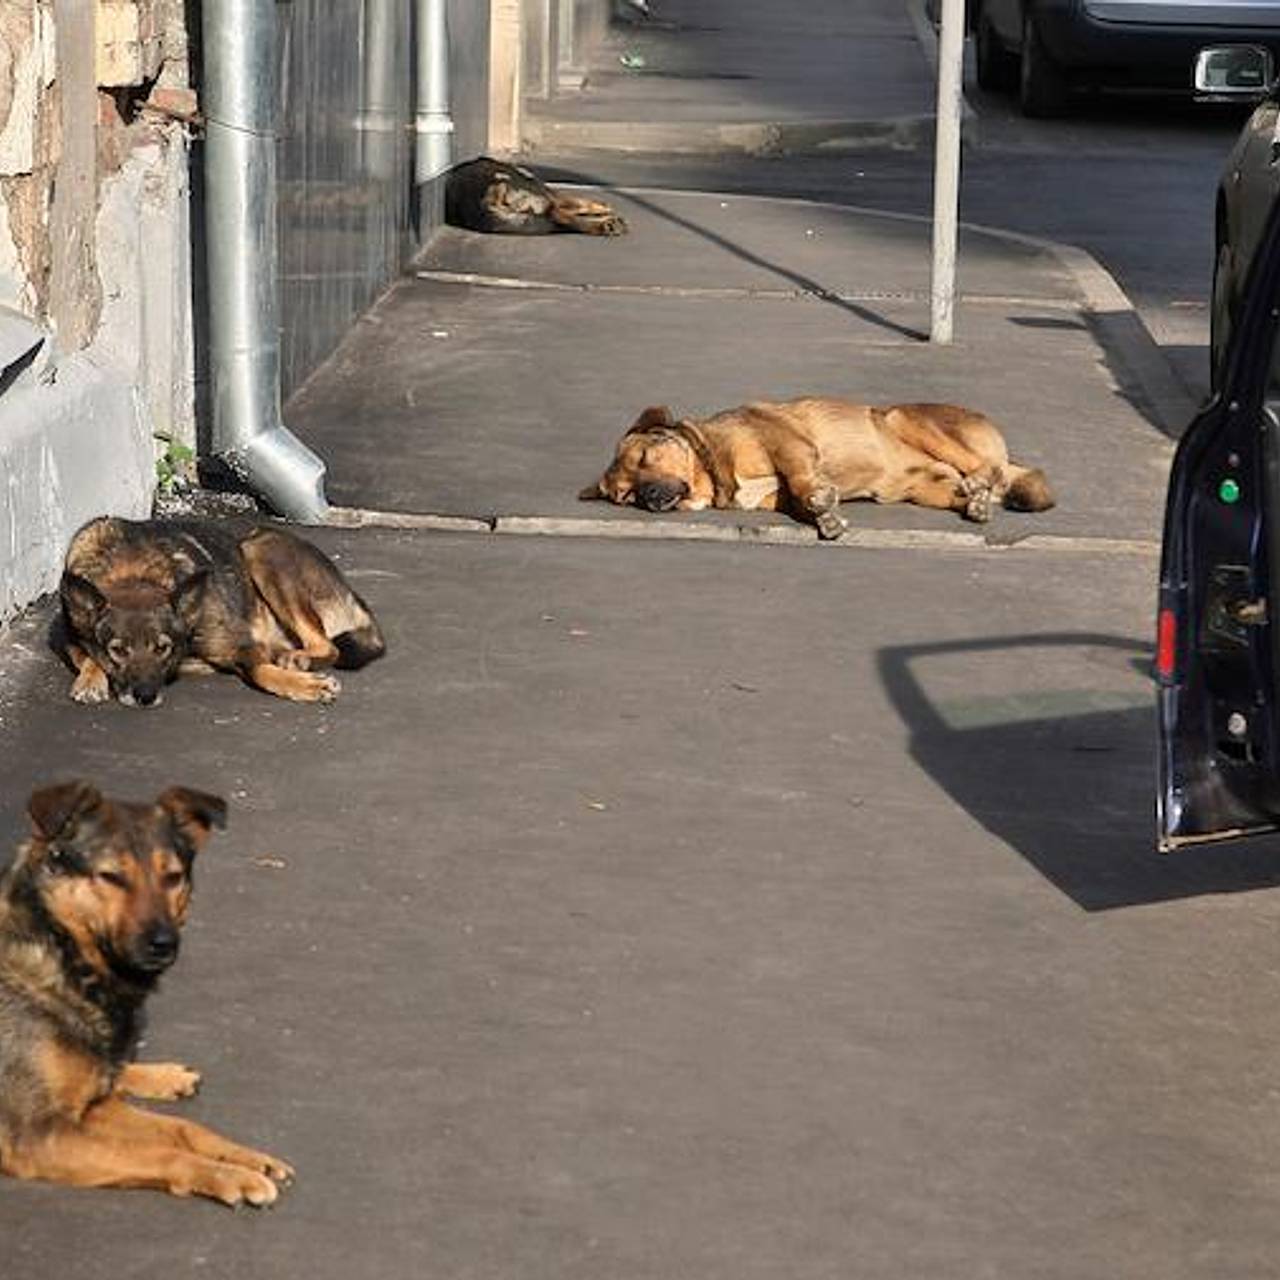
<point x="979" y="505"/>
<point x="830" y="525"/>
<point x="823" y="500"/>
<point x="90" y="690"/>
<point x="325" y="688"/>
<point x="255" y="1189"/>
<point x="183" y="1082"/>
<point x="171" y="1081"/>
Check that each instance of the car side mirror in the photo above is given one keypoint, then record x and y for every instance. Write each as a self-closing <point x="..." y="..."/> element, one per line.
<point x="1234" y="73"/>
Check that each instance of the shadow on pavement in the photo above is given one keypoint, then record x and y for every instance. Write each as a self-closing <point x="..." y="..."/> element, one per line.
<point x="800" y="281"/>
<point x="1065" y="780"/>
<point x="1144" y="374"/>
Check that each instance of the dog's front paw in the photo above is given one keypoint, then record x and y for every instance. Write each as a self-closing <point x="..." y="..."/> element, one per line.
<point x="313" y="687"/>
<point x="613" y="225"/>
<point x="177" y="1082"/>
<point x="279" y="1171"/>
<point x="91" y="686"/>
<point x="159" y="1081"/>
<point x="293" y="660"/>
<point x="979" y="505"/>
<point x="980" y="499"/>
<point x="233" y="1184"/>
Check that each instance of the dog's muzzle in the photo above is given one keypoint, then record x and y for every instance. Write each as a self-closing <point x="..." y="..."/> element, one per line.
<point x="142" y="695"/>
<point x="156" y="949"/>
<point x="660" y="495"/>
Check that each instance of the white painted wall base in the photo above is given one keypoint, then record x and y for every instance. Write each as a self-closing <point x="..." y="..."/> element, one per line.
<point x="71" y="448"/>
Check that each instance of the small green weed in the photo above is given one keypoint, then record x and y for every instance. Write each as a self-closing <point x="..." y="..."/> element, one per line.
<point x="175" y="467"/>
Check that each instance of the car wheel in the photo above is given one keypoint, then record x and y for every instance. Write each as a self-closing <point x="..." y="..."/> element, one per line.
<point x="1042" y="84"/>
<point x="997" y="67"/>
<point x="1220" y="316"/>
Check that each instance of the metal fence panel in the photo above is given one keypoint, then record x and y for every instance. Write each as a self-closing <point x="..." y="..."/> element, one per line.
<point x="344" y="168"/>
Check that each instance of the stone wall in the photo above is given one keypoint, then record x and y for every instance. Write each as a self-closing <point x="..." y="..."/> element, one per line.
<point x="95" y="269"/>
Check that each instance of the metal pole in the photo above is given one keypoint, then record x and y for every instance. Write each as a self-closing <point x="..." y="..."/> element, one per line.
<point x="946" y="171"/>
<point x="378" y="123"/>
<point x="432" y="124"/>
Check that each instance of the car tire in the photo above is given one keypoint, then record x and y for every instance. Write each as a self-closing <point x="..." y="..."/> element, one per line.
<point x="1043" y="87"/>
<point x="1220" y="316"/>
<point x="997" y="68"/>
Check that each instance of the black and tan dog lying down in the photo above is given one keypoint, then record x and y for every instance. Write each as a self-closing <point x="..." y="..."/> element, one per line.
<point x="806" y="456"/>
<point x="505" y="199"/>
<point x="146" y="600"/>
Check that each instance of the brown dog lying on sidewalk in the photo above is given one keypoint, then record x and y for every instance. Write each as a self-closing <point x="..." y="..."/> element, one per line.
<point x="90" y="911"/>
<point x="806" y="456"/>
<point x="143" y="600"/>
<point x="491" y="195"/>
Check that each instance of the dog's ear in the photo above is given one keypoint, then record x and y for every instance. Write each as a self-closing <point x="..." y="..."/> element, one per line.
<point x="656" y="415"/>
<point x="591" y="492"/>
<point x="57" y="811"/>
<point x="188" y="596"/>
<point x="196" y="813"/>
<point x="82" y="603"/>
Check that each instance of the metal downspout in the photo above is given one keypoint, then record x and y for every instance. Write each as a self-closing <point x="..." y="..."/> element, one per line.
<point x="240" y="102"/>
<point x="433" y="124"/>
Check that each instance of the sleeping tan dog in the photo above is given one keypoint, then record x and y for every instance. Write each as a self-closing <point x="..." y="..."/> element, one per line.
<point x="806" y="456"/>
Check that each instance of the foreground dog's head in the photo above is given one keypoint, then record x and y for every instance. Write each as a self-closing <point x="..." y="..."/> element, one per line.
<point x="114" y="877"/>
<point x="138" y="634"/>
<point x="654" y="466"/>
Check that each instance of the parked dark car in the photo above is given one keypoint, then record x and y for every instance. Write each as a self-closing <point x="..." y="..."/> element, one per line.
<point x="1218" y="627"/>
<point x="1046" y="49"/>
<point x="1247" y="190"/>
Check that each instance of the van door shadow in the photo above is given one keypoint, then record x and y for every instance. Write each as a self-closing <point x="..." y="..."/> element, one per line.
<point x="1066" y="778"/>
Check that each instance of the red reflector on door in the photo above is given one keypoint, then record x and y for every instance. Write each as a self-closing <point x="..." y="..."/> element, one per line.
<point x="1166" y="643"/>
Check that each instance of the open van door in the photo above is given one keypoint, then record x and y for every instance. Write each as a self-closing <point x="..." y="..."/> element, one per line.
<point x="1219" y="607"/>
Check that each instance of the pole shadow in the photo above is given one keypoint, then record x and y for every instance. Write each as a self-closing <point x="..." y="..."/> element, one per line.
<point x="805" y="284"/>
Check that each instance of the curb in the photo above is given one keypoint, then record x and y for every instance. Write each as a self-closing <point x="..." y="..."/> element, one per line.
<point x="758" y="138"/>
<point x="927" y="38"/>
<point x="673" y="529"/>
<point x="1118" y="328"/>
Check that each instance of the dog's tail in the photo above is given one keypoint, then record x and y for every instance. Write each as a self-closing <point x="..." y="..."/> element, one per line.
<point x="359" y="646"/>
<point x="1028" y="489"/>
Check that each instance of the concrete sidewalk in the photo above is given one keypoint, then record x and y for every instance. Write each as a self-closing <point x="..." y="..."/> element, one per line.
<point x="495" y="383"/>
<point x="492" y="384"/>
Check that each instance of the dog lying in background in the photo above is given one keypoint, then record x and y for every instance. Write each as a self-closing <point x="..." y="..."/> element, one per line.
<point x="806" y="456"/>
<point x="143" y="600"/>
<point x="490" y="195"/>
<point x="90" y="913"/>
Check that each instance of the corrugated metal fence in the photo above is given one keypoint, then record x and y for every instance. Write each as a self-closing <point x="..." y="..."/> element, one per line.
<point x="344" y="167"/>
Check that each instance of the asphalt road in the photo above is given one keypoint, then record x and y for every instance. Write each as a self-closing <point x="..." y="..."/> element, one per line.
<point x="679" y="911"/>
<point x="1130" y="179"/>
